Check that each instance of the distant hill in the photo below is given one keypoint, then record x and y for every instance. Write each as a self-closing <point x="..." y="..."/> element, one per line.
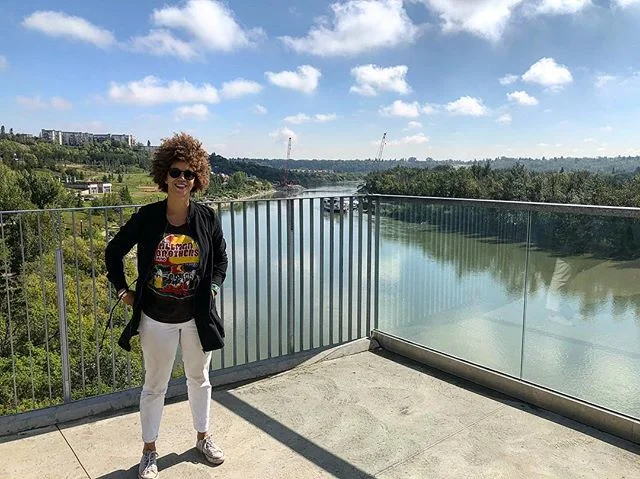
<point x="274" y="172"/>
<point x="615" y="165"/>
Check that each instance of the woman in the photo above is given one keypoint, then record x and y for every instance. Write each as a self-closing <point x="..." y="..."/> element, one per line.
<point x="182" y="263"/>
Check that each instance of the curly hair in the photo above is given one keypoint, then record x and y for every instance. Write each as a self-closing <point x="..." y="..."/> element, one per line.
<point x="181" y="147"/>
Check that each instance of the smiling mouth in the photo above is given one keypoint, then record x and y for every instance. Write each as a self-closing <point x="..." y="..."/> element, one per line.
<point x="181" y="186"/>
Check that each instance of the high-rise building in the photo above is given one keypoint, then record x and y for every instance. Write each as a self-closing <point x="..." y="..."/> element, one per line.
<point x="52" y="135"/>
<point x="75" y="138"/>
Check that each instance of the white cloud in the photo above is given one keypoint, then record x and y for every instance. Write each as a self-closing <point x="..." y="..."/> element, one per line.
<point x="489" y="19"/>
<point x="259" y="110"/>
<point x="240" y="87"/>
<point x="607" y="128"/>
<point x="417" y="139"/>
<point x="323" y="118"/>
<point x="304" y="80"/>
<point x="522" y="98"/>
<point x="467" y="106"/>
<point x="484" y="18"/>
<point x="589" y="140"/>
<point x="161" y="42"/>
<point x="372" y="79"/>
<point x="153" y="91"/>
<point x="414" y="124"/>
<point x="58" y="103"/>
<point x="562" y="6"/>
<point x="428" y="109"/>
<point x="58" y="24"/>
<point x="37" y="103"/>
<point x="508" y="79"/>
<point x="31" y="103"/>
<point x="297" y="119"/>
<point x="603" y="80"/>
<point x="626" y="3"/>
<point x="198" y="111"/>
<point x="505" y="119"/>
<point x="400" y="108"/>
<point x="3" y="62"/>
<point x="304" y="118"/>
<point x="210" y="23"/>
<point x="548" y="73"/>
<point x="357" y="26"/>
<point x="282" y="135"/>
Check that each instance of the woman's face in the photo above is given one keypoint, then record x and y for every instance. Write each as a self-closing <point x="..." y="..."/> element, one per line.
<point x="180" y="180"/>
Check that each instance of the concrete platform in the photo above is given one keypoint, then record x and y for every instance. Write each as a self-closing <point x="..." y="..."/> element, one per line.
<point x="366" y="415"/>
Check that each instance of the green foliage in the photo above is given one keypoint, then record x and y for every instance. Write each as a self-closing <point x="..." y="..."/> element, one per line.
<point x="273" y="174"/>
<point x="29" y="322"/>
<point x="516" y="184"/>
<point x="12" y="197"/>
<point x="125" y="196"/>
<point x="607" y="237"/>
<point x="45" y="191"/>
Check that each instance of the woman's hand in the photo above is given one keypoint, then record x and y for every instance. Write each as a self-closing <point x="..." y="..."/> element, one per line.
<point x="129" y="298"/>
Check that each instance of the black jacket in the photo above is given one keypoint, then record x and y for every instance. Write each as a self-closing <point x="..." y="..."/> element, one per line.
<point x="146" y="228"/>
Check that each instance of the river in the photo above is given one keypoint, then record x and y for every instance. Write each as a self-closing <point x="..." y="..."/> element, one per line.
<point x="462" y="293"/>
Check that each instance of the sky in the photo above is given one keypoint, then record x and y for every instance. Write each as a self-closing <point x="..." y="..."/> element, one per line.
<point x="460" y="79"/>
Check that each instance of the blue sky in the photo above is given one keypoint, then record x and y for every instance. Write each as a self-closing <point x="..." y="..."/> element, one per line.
<point x="456" y="79"/>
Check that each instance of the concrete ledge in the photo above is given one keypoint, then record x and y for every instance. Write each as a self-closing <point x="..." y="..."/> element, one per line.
<point x="607" y="421"/>
<point x="109" y="403"/>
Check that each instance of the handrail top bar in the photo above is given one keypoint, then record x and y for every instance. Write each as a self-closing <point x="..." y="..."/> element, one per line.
<point x="622" y="211"/>
<point x="206" y="202"/>
<point x="625" y="211"/>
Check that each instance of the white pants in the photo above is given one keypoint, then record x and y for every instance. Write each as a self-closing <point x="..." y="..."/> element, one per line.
<point x="159" y="345"/>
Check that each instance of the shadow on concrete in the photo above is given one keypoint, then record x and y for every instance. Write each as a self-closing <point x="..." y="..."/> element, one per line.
<point x="322" y="458"/>
<point x="510" y="401"/>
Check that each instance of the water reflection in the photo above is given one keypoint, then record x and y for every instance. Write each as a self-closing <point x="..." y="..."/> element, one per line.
<point x="454" y="279"/>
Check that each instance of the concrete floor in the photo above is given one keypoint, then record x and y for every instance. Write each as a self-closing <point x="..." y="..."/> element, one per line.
<point x="367" y="415"/>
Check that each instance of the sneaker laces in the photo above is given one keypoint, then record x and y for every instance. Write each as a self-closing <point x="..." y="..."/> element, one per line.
<point x="148" y="458"/>
<point x="209" y="444"/>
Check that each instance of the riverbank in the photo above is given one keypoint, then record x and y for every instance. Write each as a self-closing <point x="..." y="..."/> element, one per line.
<point x="226" y="200"/>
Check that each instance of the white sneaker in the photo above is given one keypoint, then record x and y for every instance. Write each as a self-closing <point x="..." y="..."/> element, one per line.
<point x="210" y="450"/>
<point x="148" y="468"/>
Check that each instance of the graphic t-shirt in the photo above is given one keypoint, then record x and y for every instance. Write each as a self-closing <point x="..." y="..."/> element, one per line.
<point x="169" y="295"/>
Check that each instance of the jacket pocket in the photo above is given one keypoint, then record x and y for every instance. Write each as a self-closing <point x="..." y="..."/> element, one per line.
<point x="215" y="317"/>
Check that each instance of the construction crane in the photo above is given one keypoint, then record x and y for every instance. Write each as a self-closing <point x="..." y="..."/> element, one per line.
<point x="382" y="143"/>
<point x="285" y="171"/>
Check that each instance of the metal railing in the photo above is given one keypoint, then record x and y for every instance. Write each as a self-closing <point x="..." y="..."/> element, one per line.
<point x="300" y="276"/>
<point x="546" y="294"/>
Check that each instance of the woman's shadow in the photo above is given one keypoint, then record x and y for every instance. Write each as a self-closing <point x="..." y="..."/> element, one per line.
<point x="164" y="463"/>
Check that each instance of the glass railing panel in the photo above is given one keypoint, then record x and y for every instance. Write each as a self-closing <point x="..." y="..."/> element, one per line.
<point x="452" y="279"/>
<point x="582" y="335"/>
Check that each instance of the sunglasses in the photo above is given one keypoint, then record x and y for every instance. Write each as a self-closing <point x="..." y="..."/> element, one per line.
<point x="176" y="172"/>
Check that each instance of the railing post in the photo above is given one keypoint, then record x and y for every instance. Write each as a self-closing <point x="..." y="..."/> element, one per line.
<point x="290" y="280"/>
<point x="62" y="322"/>
<point x="377" y="273"/>
<point x="526" y="293"/>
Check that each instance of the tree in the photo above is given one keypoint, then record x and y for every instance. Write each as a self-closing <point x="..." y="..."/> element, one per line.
<point x="125" y="196"/>
<point x="215" y="185"/>
<point x="148" y="142"/>
<point x="45" y="191"/>
<point x="11" y="132"/>
<point x="2" y="133"/>
<point x="12" y="196"/>
<point x="237" y="180"/>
